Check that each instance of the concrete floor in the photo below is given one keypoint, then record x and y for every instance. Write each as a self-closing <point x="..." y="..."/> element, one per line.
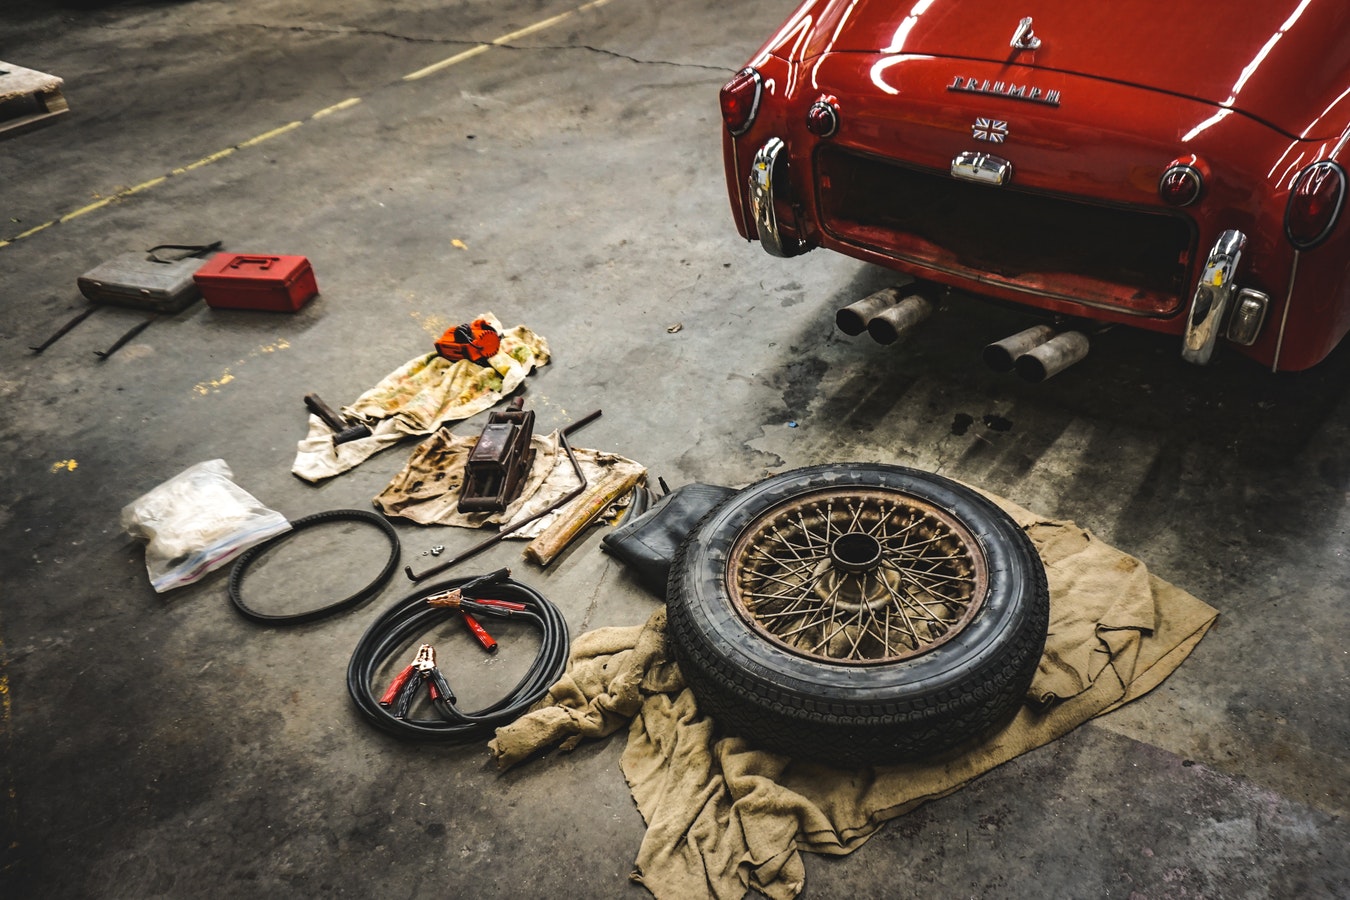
<point x="569" y="179"/>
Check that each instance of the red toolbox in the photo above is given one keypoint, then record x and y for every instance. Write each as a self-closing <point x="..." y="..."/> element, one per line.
<point x="256" y="281"/>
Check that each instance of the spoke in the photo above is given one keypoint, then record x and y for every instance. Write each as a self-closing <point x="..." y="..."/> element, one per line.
<point x="934" y="576"/>
<point x="829" y="522"/>
<point x="766" y="600"/>
<point x="783" y="614"/>
<point x="862" y="631"/>
<point x="914" y="547"/>
<point x="811" y="538"/>
<point x="812" y="623"/>
<point x="901" y="533"/>
<point x="764" y="553"/>
<point x="806" y="578"/>
<point x="792" y="548"/>
<point x="908" y="624"/>
<point x="829" y="637"/>
<point x="879" y="626"/>
<point x="823" y="608"/>
<point x="905" y="598"/>
<point x="856" y="512"/>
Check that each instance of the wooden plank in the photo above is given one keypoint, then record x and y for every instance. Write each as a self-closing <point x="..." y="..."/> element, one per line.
<point x="28" y="98"/>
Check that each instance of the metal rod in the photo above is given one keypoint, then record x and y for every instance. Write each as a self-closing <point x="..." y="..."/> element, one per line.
<point x="516" y="526"/>
<point x="60" y="332"/>
<point x="118" y="344"/>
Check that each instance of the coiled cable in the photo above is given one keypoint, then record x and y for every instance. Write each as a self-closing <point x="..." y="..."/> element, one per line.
<point x="411" y="618"/>
<point x="245" y="562"/>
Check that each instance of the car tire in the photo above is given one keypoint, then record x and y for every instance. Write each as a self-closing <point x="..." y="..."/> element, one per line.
<point x="858" y="614"/>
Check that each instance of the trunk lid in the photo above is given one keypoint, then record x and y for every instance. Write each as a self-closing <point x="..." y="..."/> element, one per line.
<point x="1268" y="58"/>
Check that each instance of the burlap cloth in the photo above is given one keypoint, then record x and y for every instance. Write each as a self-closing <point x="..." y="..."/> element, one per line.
<point x="419" y="397"/>
<point x="723" y="818"/>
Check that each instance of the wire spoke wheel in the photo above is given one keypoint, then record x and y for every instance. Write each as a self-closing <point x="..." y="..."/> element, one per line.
<point x="857" y="577"/>
<point x="858" y="614"/>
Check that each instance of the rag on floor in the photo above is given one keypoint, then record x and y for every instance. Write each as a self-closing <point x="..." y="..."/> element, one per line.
<point x="427" y="489"/>
<point x="419" y="397"/>
<point x="723" y="817"/>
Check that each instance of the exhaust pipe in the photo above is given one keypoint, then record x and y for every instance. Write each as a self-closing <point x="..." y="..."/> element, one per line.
<point x="1002" y="355"/>
<point x="1052" y="357"/>
<point x="852" y="319"/>
<point x="894" y="322"/>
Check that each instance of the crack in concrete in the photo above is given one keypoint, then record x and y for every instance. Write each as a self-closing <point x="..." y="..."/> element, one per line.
<point x="458" y="42"/>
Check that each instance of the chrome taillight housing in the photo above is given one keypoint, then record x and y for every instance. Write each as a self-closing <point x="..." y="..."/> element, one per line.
<point x="1181" y="185"/>
<point x="739" y="98"/>
<point x="822" y="119"/>
<point x="1315" y="201"/>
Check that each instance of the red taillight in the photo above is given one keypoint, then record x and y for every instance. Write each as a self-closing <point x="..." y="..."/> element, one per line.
<point x="822" y="119"/>
<point x="1315" y="202"/>
<point x="740" y="100"/>
<point x="1180" y="185"/>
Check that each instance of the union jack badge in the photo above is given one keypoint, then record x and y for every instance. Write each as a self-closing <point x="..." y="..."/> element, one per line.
<point x="991" y="130"/>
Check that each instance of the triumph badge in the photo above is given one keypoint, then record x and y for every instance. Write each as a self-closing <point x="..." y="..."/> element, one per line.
<point x="1005" y="89"/>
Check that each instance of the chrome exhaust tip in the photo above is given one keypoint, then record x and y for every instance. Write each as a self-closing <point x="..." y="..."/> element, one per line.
<point x="1002" y="355"/>
<point x="1052" y="357"/>
<point x="852" y="319"/>
<point x="894" y="322"/>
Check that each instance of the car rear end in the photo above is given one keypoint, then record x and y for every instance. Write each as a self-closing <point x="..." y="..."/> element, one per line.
<point x="1079" y="195"/>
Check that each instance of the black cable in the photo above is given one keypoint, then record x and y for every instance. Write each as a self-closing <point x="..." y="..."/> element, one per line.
<point x="403" y="624"/>
<point x="241" y="567"/>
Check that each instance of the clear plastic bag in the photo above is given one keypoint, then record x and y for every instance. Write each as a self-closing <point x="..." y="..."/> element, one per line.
<point x="197" y="521"/>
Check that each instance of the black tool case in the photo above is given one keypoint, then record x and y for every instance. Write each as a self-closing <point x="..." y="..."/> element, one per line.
<point x="153" y="280"/>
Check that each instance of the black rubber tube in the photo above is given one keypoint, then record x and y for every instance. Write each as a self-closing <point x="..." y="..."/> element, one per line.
<point x="403" y="624"/>
<point x="241" y="568"/>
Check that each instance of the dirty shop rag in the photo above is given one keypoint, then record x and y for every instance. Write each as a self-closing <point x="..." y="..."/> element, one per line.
<point x="427" y="490"/>
<point x="419" y="397"/>
<point x="723" y="818"/>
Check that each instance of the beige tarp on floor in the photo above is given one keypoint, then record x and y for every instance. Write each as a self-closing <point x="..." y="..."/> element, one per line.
<point x="419" y="397"/>
<point x="723" y="818"/>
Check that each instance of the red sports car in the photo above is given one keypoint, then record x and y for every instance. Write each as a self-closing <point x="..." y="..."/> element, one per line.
<point x="1167" y="164"/>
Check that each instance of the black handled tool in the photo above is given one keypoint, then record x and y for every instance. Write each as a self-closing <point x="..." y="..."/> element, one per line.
<point x="342" y="431"/>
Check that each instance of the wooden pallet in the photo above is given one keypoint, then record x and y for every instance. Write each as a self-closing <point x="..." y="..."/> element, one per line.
<point x="28" y="98"/>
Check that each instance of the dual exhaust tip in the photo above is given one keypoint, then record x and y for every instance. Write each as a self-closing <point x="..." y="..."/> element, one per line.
<point x="1036" y="353"/>
<point x="887" y="315"/>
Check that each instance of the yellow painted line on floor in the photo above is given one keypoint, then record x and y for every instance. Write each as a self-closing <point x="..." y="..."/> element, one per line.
<point x="337" y="107"/>
<point x="447" y="63"/>
<point x="145" y="185"/>
<point x="504" y="39"/>
<point x="477" y="49"/>
<point x="204" y="161"/>
<point x="268" y="135"/>
<point x="35" y="230"/>
<point x="87" y="209"/>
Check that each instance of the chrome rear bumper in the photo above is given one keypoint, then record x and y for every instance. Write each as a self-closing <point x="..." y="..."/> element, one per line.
<point x="770" y="167"/>
<point x="1212" y="297"/>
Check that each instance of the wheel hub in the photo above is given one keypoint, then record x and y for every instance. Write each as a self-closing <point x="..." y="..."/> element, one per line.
<point x="855" y="551"/>
<point x="857" y="576"/>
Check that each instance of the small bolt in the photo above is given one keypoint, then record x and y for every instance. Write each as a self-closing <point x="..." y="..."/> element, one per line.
<point x="437" y="550"/>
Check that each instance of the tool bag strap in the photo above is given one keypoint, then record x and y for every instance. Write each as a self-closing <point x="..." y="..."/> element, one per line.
<point x="188" y="250"/>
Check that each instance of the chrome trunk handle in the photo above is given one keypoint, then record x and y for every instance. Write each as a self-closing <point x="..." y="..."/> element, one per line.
<point x="982" y="168"/>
